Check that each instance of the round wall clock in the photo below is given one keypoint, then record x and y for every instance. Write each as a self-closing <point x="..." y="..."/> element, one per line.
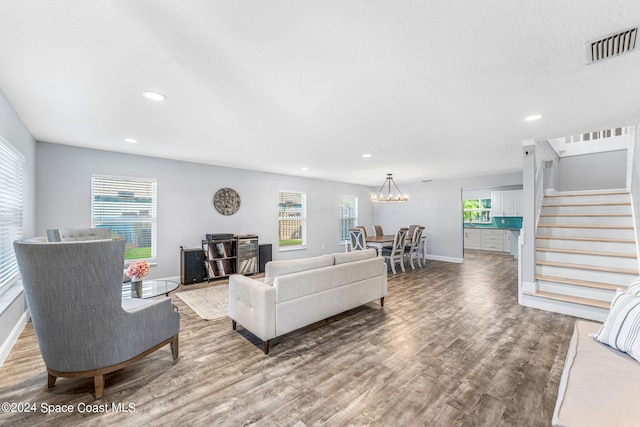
<point x="226" y="201"/>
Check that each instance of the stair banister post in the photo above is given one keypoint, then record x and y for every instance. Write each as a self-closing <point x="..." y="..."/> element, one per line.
<point x="527" y="251"/>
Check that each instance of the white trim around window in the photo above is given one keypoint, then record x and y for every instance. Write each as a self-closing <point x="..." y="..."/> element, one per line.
<point x="129" y="206"/>
<point x="12" y="178"/>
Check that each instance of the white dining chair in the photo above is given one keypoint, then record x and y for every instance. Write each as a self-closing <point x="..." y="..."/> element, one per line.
<point x="395" y="253"/>
<point x="412" y="250"/>
<point x="357" y="239"/>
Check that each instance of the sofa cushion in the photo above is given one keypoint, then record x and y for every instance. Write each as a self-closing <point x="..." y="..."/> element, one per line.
<point x="634" y="287"/>
<point x="621" y="328"/>
<point x="342" y="257"/>
<point x="274" y="269"/>
<point x="303" y="283"/>
<point x="599" y="385"/>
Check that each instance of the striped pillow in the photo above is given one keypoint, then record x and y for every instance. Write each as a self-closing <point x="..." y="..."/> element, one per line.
<point x="621" y="329"/>
<point x="634" y="287"/>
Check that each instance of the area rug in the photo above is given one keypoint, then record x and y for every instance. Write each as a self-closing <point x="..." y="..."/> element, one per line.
<point x="209" y="303"/>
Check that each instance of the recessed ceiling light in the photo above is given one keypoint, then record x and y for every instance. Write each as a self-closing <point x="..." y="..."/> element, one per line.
<point x="131" y="140"/>
<point x="304" y="169"/>
<point x="154" y="96"/>
<point x="366" y="155"/>
<point x="533" y="117"/>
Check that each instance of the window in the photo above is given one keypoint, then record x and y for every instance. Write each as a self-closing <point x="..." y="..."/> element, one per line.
<point x="11" y="209"/>
<point x="348" y="215"/>
<point x="292" y="218"/>
<point x="477" y="210"/>
<point x="129" y="207"/>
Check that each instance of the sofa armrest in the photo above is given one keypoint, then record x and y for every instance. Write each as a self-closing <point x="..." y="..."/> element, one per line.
<point x="253" y="305"/>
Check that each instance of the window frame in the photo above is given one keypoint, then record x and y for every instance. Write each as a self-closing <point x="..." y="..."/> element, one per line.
<point x="347" y="222"/>
<point x="482" y="209"/>
<point x="152" y="219"/>
<point x="12" y="172"/>
<point x="302" y="218"/>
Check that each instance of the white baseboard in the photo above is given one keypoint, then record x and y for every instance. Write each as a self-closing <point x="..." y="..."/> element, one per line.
<point x="529" y="287"/>
<point x="445" y="258"/>
<point x="13" y="336"/>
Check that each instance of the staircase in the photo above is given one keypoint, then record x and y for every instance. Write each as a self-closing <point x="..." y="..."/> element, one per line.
<point x="585" y="250"/>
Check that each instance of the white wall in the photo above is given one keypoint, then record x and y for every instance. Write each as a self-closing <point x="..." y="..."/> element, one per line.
<point x="485" y="192"/>
<point x="438" y="206"/>
<point x="596" y="171"/>
<point x="633" y="185"/>
<point x="13" y="307"/>
<point x="185" y="194"/>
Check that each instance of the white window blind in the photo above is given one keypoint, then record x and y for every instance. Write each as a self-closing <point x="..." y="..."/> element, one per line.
<point x="292" y="218"/>
<point x="348" y="215"/>
<point x="129" y="207"/>
<point x="11" y="209"/>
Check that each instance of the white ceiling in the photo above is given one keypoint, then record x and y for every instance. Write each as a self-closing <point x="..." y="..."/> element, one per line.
<point x="432" y="89"/>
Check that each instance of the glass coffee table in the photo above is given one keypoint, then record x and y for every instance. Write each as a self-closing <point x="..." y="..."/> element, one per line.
<point x="148" y="289"/>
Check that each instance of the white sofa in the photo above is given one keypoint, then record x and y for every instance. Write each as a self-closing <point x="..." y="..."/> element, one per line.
<point x="299" y="292"/>
<point x="599" y="386"/>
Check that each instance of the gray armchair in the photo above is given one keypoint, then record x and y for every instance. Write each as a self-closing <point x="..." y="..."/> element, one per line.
<point x="84" y="327"/>
<point x="75" y="234"/>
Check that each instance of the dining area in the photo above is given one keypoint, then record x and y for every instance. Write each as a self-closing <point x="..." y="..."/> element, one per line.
<point x="406" y="244"/>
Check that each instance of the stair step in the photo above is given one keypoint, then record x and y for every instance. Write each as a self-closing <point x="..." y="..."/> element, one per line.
<point x="584" y="226"/>
<point x="556" y="205"/>
<point x="576" y="282"/>
<point x="588" y="267"/>
<point x="588" y="194"/>
<point x="580" y="215"/>
<point x="579" y="210"/>
<point x="587" y="239"/>
<point x="581" y="252"/>
<point x="571" y="299"/>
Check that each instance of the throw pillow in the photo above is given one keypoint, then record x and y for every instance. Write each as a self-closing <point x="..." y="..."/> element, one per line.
<point x="621" y="328"/>
<point x="634" y="287"/>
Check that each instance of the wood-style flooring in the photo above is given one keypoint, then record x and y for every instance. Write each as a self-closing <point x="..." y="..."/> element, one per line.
<point x="451" y="347"/>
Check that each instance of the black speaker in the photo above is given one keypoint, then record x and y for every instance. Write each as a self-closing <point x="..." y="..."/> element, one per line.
<point x="191" y="266"/>
<point x="265" y="255"/>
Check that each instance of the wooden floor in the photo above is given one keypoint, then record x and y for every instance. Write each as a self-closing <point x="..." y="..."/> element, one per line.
<point x="451" y="347"/>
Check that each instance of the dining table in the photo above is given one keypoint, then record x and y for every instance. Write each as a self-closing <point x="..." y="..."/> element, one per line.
<point x="378" y="242"/>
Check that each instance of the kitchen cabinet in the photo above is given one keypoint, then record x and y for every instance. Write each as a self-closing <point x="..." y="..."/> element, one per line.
<point x="471" y="238"/>
<point x="492" y="240"/>
<point x="506" y="203"/>
<point x="487" y="239"/>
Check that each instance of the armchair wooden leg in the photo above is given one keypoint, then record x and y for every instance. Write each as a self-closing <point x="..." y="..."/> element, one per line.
<point x="266" y="346"/>
<point x="234" y="325"/>
<point x="175" y="347"/>
<point x="51" y="380"/>
<point x="382" y="302"/>
<point x="98" y="382"/>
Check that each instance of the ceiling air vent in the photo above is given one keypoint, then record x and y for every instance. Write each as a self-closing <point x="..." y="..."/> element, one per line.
<point x="611" y="45"/>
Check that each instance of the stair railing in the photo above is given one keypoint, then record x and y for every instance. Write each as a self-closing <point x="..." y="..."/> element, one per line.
<point x="540" y="172"/>
<point x="633" y="183"/>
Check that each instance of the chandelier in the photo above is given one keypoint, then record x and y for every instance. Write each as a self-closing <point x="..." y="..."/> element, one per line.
<point x="389" y="198"/>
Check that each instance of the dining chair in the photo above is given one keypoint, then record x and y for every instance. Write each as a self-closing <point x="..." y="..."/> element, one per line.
<point x="364" y="230"/>
<point x="377" y="230"/>
<point x="412" y="229"/>
<point x="357" y="239"/>
<point x="412" y="250"/>
<point x="395" y="253"/>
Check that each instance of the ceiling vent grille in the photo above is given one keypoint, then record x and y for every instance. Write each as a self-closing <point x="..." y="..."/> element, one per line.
<point x="611" y="45"/>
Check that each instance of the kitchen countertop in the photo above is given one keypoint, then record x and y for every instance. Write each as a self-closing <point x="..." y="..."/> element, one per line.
<point x="489" y="227"/>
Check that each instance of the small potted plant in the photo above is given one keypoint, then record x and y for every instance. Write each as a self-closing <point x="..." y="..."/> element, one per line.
<point x="136" y="271"/>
